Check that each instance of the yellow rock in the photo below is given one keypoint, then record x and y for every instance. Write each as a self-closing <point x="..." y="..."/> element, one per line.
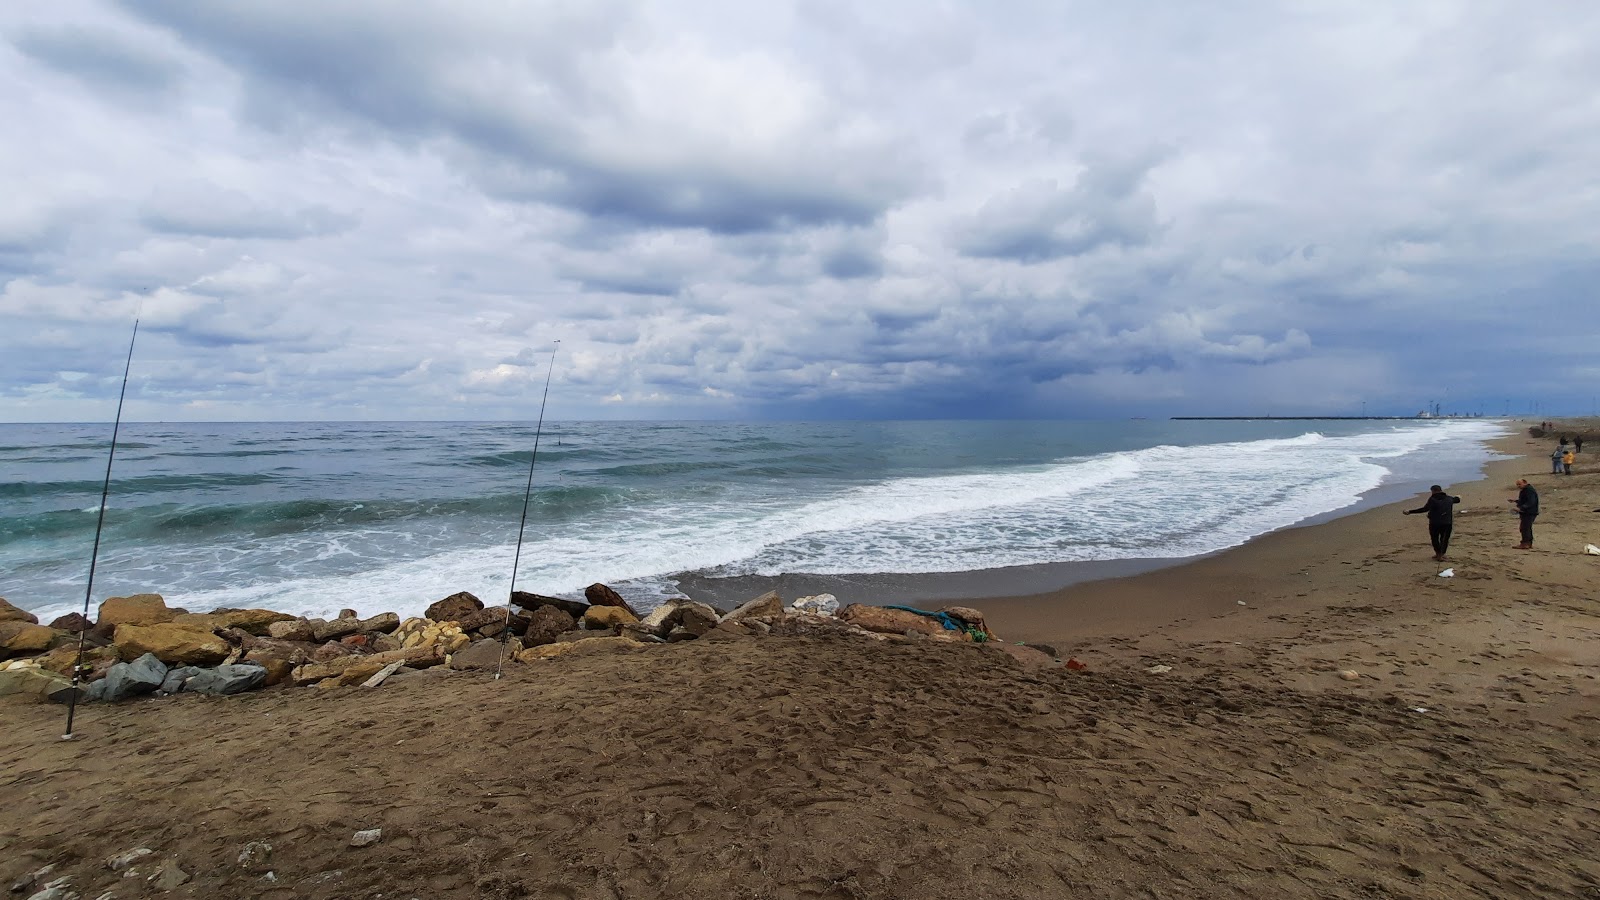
<point x="174" y="645"/>
<point x="139" y="609"/>
<point x="608" y="617"/>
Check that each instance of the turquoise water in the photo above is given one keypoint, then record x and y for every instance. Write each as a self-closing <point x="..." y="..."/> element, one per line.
<point x="315" y="517"/>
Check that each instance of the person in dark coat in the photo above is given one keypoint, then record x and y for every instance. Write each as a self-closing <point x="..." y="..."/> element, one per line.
<point x="1527" y="502"/>
<point x="1441" y="509"/>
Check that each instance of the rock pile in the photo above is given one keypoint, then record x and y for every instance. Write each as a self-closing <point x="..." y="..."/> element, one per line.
<point x="140" y="646"/>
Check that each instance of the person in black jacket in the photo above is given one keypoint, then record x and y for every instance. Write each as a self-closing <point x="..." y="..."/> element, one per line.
<point x="1527" y="502"/>
<point x="1441" y="509"/>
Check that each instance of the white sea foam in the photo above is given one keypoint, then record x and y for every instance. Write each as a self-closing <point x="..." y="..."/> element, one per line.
<point x="1162" y="501"/>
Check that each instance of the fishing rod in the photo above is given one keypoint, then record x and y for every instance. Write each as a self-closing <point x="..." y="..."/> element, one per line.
<point x="99" y="525"/>
<point x="527" y="496"/>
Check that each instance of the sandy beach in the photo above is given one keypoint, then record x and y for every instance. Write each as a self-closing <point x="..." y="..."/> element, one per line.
<point x="1460" y="759"/>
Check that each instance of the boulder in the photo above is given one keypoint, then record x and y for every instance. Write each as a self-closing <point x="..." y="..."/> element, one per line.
<point x="588" y="645"/>
<point x="656" y="621"/>
<point x="29" y="682"/>
<point x="484" y="654"/>
<point x="972" y="617"/>
<point x="130" y="679"/>
<point x="72" y="623"/>
<point x="173" y="683"/>
<point x="547" y="623"/>
<point x="415" y="657"/>
<point x="9" y="613"/>
<point x="694" y="619"/>
<point x="96" y="659"/>
<point x="334" y="650"/>
<point x="883" y="620"/>
<point x="295" y="652"/>
<point x="454" y="608"/>
<point x="140" y="609"/>
<point x="278" y="670"/>
<point x="251" y="621"/>
<point x="443" y="637"/>
<point x="223" y="680"/>
<point x="22" y="638"/>
<point x="768" y="604"/>
<point x="491" y="619"/>
<point x="602" y="595"/>
<point x="292" y="630"/>
<point x="174" y="645"/>
<point x="332" y="631"/>
<point x="534" y="602"/>
<point x="382" y="622"/>
<point x="607" y="617"/>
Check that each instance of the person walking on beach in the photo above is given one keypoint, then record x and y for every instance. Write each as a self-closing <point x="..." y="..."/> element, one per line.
<point x="1555" y="459"/>
<point x="1577" y="443"/>
<point x="1566" y="463"/>
<point x="1440" y="508"/>
<point x="1527" y="502"/>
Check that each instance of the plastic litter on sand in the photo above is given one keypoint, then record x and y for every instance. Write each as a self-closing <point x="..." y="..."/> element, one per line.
<point x="1448" y="573"/>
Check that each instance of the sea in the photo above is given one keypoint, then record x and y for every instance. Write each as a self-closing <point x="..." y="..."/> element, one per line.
<point x="315" y="517"/>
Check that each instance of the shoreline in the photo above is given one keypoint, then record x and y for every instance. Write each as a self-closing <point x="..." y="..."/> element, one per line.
<point x="1047" y="579"/>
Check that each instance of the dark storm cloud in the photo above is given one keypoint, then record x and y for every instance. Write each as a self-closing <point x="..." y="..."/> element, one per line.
<point x="535" y="115"/>
<point x="1040" y="220"/>
<point x="103" y="58"/>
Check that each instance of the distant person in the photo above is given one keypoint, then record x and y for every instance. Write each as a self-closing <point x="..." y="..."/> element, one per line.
<point x="1555" y="460"/>
<point x="1527" y="503"/>
<point x="1441" y="509"/>
<point x="1566" y="462"/>
<point x="1577" y="444"/>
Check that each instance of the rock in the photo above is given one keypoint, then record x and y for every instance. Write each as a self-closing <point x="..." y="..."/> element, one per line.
<point x="349" y="614"/>
<point x="546" y="623"/>
<point x="173" y="683"/>
<point x="124" y="860"/>
<point x="278" y="670"/>
<point x="695" y="618"/>
<point x="262" y="649"/>
<point x="366" y="838"/>
<point x="768" y="604"/>
<point x="257" y="622"/>
<point x="656" y="621"/>
<point x="20" y="638"/>
<point x="292" y="630"/>
<point x="534" y="602"/>
<point x="895" y="621"/>
<point x="338" y="628"/>
<point x="443" y="637"/>
<point x="607" y="617"/>
<point x="26" y="882"/>
<point x="256" y="856"/>
<point x="226" y="680"/>
<point x="333" y="650"/>
<point x="174" y="645"/>
<point x="130" y="679"/>
<point x="491" y="619"/>
<point x="602" y="595"/>
<point x="818" y="605"/>
<point x="1349" y="675"/>
<point x="72" y="623"/>
<point x="9" y="613"/>
<point x="168" y="877"/>
<point x="454" y="608"/>
<point x="589" y="645"/>
<point x="484" y="654"/>
<point x="972" y="617"/>
<point x="30" y="682"/>
<point x="416" y="657"/>
<point x="381" y="642"/>
<point x="357" y="641"/>
<point x="641" y="633"/>
<point x="140" y="609"/>
<point x="382" y="622"/>
<point x="59" y="889"/>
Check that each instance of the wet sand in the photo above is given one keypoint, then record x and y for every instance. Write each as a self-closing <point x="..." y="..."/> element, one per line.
<point x="1462" y="761"/>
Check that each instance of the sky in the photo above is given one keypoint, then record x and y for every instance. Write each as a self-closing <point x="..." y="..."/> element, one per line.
<point x="369" y="210"/>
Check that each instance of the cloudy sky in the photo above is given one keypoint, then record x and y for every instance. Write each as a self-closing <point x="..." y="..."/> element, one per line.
<point x="364" y="209"/>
